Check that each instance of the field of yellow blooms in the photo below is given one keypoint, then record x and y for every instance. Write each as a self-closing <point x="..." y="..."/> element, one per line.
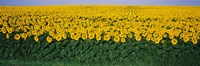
<point x="102" y="34"/>
<point x="102" y="23"/>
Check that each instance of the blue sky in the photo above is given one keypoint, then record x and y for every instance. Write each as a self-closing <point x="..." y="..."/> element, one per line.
<point x="116" y="2"/>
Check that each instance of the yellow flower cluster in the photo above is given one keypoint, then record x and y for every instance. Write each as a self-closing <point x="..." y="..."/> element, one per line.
<point x="118" y="23"/>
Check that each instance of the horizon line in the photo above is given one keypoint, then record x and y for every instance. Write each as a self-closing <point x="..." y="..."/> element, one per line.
<point x="98" y="5"/>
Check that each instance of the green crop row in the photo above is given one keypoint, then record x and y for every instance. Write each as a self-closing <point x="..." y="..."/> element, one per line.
<point x="92" y="51"/>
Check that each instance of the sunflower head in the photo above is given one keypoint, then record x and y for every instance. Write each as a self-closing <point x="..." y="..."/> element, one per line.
<point x="138" y="38"/>
<point x="160" y="37"/>
<point x="7" y="36"/>
<point x="152" y="38"/>
<point x="72" y="35"/>
<point x="130" y="35"/>
<point x="174" y="41"/>
<point x="163" y="41"/>
<point x="76" y="37"/>
<point x="3" y="30"/>
<point x="10" y="30"/>
<point x="123" y="40"/>
<point x="24" y="30"/>
<point x="49" y="39"/>
<point x="17" y="36"/>
<point x="186" y="39"/>
<point x="194" y="40"/>
<point x="64" y="36"/>
<point x="58" y="38"/>
<point x="24" y="35"/>
<point x="171" y="36"/>
<point x="144" y="34"/>
<point x="106" y="37"/>
<point x="157" y="40"/>
<point x="148" y="38"/>
<point x="165" y="35"/>
<point x="28" y="34"/>
<point x="36" y="38"/>
<point x="116" y="38"/>
<point x="98" y="37"/>
<point x="91" y="35"/>
<point x="84" y="36"/>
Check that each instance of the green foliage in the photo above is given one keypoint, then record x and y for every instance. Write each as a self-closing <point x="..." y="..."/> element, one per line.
<point x="101" y="52"/>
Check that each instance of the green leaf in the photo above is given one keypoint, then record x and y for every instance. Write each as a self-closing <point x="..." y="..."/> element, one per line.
<point x="65" y="42"/>
<point x="46" y="51"/>
<point x="38" y="46"/>
<point x="63" y="52"/>
<point x="96" y="42"/>
<point x="113" y="47"/>
<point x="33" y="50"/>
<point x="45" y="44"/>
<point x="52" y="46"/>
<point x="113" y="54"/>
<point x="11" y="53"/>
<point x="55" y="51"/>
<point x="58" y="43"/>
<point x="73" y="42"/>
<point x="57" y="46"/>
<point x="41" y="51"/>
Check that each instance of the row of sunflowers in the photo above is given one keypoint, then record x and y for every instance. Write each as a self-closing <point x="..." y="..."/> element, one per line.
<point x="101" y="23"/>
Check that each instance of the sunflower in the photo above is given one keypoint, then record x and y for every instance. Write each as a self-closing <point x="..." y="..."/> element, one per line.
<point x="115" y="34"/>
<point x="138" y="38"/>
<point x="51" y="33"/>
<point x="171" y="36"/>
<point x="152" y="38"/>
<point x="98" y="37"/>
<point x="91" y="35"/>
<point x="84" y="36"/>
<point x="176" y="34"/>
<point x="181" y="35"/>
<point x="36" y="38"/>
<point x="33" y="32"/>
<point x="144" y="34"/>
<point x="49" y="39"/>
<point x="41" y="31"/>
<point x="174" y="41"/>
<point x="58" y="38"/>
<point x="24" y="35"/>
<point x="194" y="40"/>
<point x="165" y="35"/>
<point x="7" y="36"/>
<point x="3" y="30"/>
<point x="28" y="34"/>
<point x="148" y="37"/>
<point x="189" y="34"/>
<point x="24" y="30"/>
<point x="76" y="37"/>
<point x="157" y="40"/>
<point x="72" y="35"/>
<point x="123" y="40"/>
<point x="122" y="35"/>
<point x="163" y="41"/>
<point x="116" y="38"/>
<point x="106" y="37"/>
<point x="155" y="34"/>
<point x="186" y="39"/>
<point x="10" y="30"/>
<point x="130" y="35"/>
<point x="160" y="37"/>
<point x="17" y="36"/>
<point x="64" y="36"/>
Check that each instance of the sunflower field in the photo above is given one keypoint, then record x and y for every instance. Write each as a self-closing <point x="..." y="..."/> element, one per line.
<point x="101" y="34"/>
